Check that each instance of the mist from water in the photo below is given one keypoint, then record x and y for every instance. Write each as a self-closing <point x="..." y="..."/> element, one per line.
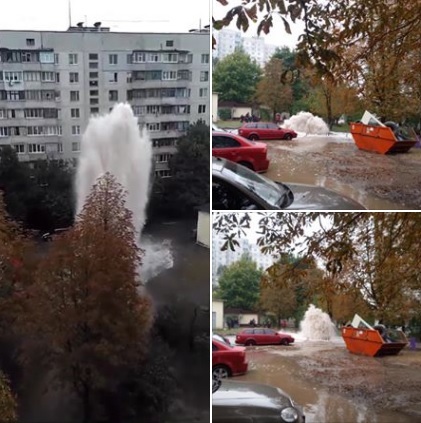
<point x="112" y="143"/>
<point x="308" y="123"/>
<point x="316" y="325"/>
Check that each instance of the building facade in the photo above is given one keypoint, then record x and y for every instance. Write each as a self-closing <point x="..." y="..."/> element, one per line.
<point x="52" y="82"/>
<point x="228" y="40"/>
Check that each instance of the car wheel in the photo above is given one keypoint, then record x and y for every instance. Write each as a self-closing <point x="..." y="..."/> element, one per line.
<point x="250" y="342"/>
<point x="284" y="342"/>
<point x="254" y="137"/>
<point x="221" y="372"/>
<point x="247" y="165"/>
<point x="288" y="137"/>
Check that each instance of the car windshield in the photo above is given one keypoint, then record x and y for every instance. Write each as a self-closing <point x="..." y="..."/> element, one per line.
<point x="221" y="339"/>
<point x="273" y="194"/>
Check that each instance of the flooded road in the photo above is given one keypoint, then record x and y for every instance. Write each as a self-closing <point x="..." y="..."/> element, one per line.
<point x="378" y="182"/>
<point x="334" y="386"/>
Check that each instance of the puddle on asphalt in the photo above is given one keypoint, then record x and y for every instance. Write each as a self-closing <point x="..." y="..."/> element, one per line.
<point x="295" y="169"/>
<point x="320" y="406"/>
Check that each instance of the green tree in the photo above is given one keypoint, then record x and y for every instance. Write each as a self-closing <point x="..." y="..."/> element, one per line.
<point x="189" y="185"/>
<point x="235" y="77"/>
<point x="84" y="309"/>
<point x="239" y="284"/>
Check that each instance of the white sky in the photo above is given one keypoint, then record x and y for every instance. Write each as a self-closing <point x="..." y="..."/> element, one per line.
<point x="153" y="15"/>
<point x="277" y="36"/>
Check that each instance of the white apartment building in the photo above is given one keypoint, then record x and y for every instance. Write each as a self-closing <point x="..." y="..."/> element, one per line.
<point x="229" y="40"/>
<point x="52" y="82"/>
<point x="224" y="258"/>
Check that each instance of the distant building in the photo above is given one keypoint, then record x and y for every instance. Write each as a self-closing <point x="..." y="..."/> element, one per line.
<point x="229" y="40"/>
<point x="51" y="82"/>
<point x="217" y="314"/>
<point x="221" y="259"/>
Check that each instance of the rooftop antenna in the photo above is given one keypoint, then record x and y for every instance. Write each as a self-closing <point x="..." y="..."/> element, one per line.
<point x="70" y="13"/>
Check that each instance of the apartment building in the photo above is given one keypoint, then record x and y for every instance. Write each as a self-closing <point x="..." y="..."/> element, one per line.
<point x="52" y="82"/>
<point x="228" y="40"/>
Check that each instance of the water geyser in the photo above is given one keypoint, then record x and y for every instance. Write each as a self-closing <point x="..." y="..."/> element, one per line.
<point x="316" y="325"/>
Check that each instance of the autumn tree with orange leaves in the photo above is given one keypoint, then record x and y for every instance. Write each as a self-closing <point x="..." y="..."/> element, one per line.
<point x="87" y="311"/>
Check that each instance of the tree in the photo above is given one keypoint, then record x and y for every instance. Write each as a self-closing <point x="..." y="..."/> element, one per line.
<point x="235" y="77"/>
<point x="374" y="254"/>
<point x="189" y="185"/>
<point x="85" y="312"/>
<point x="8" y="403"/>
<point x="239" y="284"/>
<point x="271" y="91"/>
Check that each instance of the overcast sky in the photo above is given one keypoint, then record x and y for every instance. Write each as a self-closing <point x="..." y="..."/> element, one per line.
<point x="152" y="15"/>
<point x="277" y="35"/>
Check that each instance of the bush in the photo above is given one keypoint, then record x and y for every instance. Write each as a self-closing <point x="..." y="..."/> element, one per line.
<point x="224" y="114"/>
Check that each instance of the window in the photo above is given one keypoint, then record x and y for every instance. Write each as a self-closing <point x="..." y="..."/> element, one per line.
<point x="73" y="77"/>
<point x="205" y="58"/>
<point x="93" y="75"/>
<point x="169" y="43"/>
<point x="165" y="173"/>
<point x="153" y="127"/>
<point x="170" y="57"/>
<point x="169" y="75"/>
<point x="75" y="113"/>
<point x="36" y="148"/>
<point x="93" y="93"/>
<point x="75" y="146"/>
<point x="94" y="110"/>
<point x="202" y="108"/>
<point x="129" y="77"/>
<point x="162" y="158"/>
<point x="30" y="42"/>
<point x="33" y="113"/>
<point x="57" y="76"/>
<point x="73" y="60"/>
<point x="13" y="76"/>
<point x="152" y="110"/>
<point x="204" y="76"/>
<point x="184" y="75"/>
<point x="4" y="131"/>
<point x="19" y="148"/>
<point x="224" y="142"/>
<point x="31" y="76"/>
<point x="11" y="113"/>
<point x="15" y="95"/>
<point x="3" y="114"/>
<point x="46" y="57"/>
<point x="113" y="95"/>
<point x="139" y="110"/>
<point x="138" y="57"/>
<point x="51" y="113"/>
<point x="36" y="131"/>
<point x="75" y="130"/>
<point x="74" y="95"/>
<point x="93" y="83"/>
<point x="112" y="76"/>
<point x="112" y="59"/>
<point x="48" y="77"/>
<point x="203" y="92"/>
<point x="56" y="58"/>
<point x="93" y="65"/>
<point x="93" y="101"/>
<point x="152" y="57"/>
<point x="93" y="56"/>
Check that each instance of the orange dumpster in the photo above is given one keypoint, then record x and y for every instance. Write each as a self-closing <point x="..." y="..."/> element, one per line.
<point x="369" y="342"/>
<point x="380" y="139"/>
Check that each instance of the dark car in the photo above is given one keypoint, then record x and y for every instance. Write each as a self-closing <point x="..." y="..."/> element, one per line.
<point x="266" y="131"/>
<point x="227" y="360"/>
<point x="235" y="187"/>
<point x="262" y="337"/>
<point x="240" y="150"/>
<point x="245" y="402"/>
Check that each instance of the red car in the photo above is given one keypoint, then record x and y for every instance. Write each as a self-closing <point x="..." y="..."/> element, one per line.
<point x="266" y="131"/>
<point x="240" y="150"/>
<point x="227" y="360"/>
<point x="262" y="337"/>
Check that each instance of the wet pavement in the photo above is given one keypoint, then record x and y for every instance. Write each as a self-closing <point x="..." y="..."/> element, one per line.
<point x="378" y="182"/>
<point x="334" y="386"/>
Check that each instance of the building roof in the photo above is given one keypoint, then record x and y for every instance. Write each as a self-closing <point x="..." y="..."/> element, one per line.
<point x="239" y="311"/>
<point x="233" y="104"/>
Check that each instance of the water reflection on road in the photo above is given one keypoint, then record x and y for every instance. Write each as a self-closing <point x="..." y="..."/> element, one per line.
<point x="276" y="366"/>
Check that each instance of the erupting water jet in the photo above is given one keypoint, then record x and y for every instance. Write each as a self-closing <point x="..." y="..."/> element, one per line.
<point x="317" y="326"/>
<point x="308" y="123"/>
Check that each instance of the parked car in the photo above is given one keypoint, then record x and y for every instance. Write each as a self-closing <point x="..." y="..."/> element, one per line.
<point x="221" y="338"/>
<point x="266" y="131"/>
<point x="227" y="360"/>
<point x="262" y="337"/>
<point x="235" y="187"/>
<point x="235" y="148"/>
<point x="245" y="402"/>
